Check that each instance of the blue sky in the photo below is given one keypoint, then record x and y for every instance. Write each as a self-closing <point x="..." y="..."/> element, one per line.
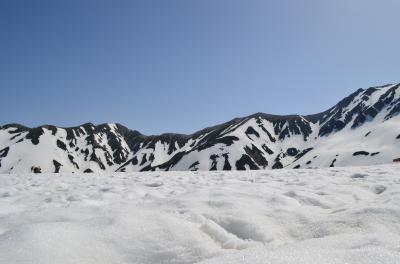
<point x="179" y="66"/>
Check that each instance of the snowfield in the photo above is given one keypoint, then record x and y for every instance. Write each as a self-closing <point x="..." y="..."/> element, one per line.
<point x="337" y="215"/>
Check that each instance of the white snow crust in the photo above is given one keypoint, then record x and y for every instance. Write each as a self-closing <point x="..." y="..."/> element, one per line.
<point x="330" y="216"/>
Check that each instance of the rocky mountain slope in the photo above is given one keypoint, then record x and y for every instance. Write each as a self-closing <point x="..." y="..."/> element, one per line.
<point x="362" y="129"/>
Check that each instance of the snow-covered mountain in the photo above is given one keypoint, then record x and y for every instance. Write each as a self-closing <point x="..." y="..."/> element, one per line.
<point x="362" y="129"/>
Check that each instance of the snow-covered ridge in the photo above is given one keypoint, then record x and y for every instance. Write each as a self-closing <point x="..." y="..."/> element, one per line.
<point x="362" y="129"/>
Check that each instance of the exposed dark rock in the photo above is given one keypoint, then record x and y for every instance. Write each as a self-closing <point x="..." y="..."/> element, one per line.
<point x="173" y="161"/>
<point x="363" y="153"/>
<point x="268" y="150"/>
<point x="193" y="167"/>
<point x="96" y="159"/>
<point x="53" y="129"/>
<point x="375" y="153"/>
<point x="245" y="160"/>
<point x="134" y="161"/>
<point x="144" y="159"/>
<point x="331" y="118"/>
<point x="277" y="165"/>
<point x="108" y="158"/>
<point x="256" y="155"/>
<point x="88" y="171"/>
<point x="148" y="168"/>
<point x="57" y="166"/>
<point x="151" y="157"/>
<point x="4" y="152"/>
<point x="292" y="152"/>
<point x="227" y="165"/>
<point x="213" y="158"/>
<point x="34" y="169"/>
<point x="271" y="138"/>
<point x="61" y="145"/>
<point x="16" y="128"/>
<point x="304" y="152"/>
<point x="15" y="136"/>
<point x="285" y="126"/>
<point x="280" y="156"/>
<point x="86" y="152"/>
<point x="228" y="140"/>
<point x="34" y="135"/>
<point x="251" y="131"/>
<point x="71" y="159"/>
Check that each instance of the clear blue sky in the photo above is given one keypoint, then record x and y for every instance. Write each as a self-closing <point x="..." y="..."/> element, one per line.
<point x="179" y="66"/>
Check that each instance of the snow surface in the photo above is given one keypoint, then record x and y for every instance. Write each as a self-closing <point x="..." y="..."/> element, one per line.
<point x="337" y="215"/>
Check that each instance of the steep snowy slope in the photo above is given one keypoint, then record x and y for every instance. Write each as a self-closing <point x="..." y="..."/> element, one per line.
<point x="362" y="129"/>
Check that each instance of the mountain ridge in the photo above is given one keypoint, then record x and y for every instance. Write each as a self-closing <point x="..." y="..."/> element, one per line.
<point x="256" y="141"/>
<point x="312" y="116"/>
